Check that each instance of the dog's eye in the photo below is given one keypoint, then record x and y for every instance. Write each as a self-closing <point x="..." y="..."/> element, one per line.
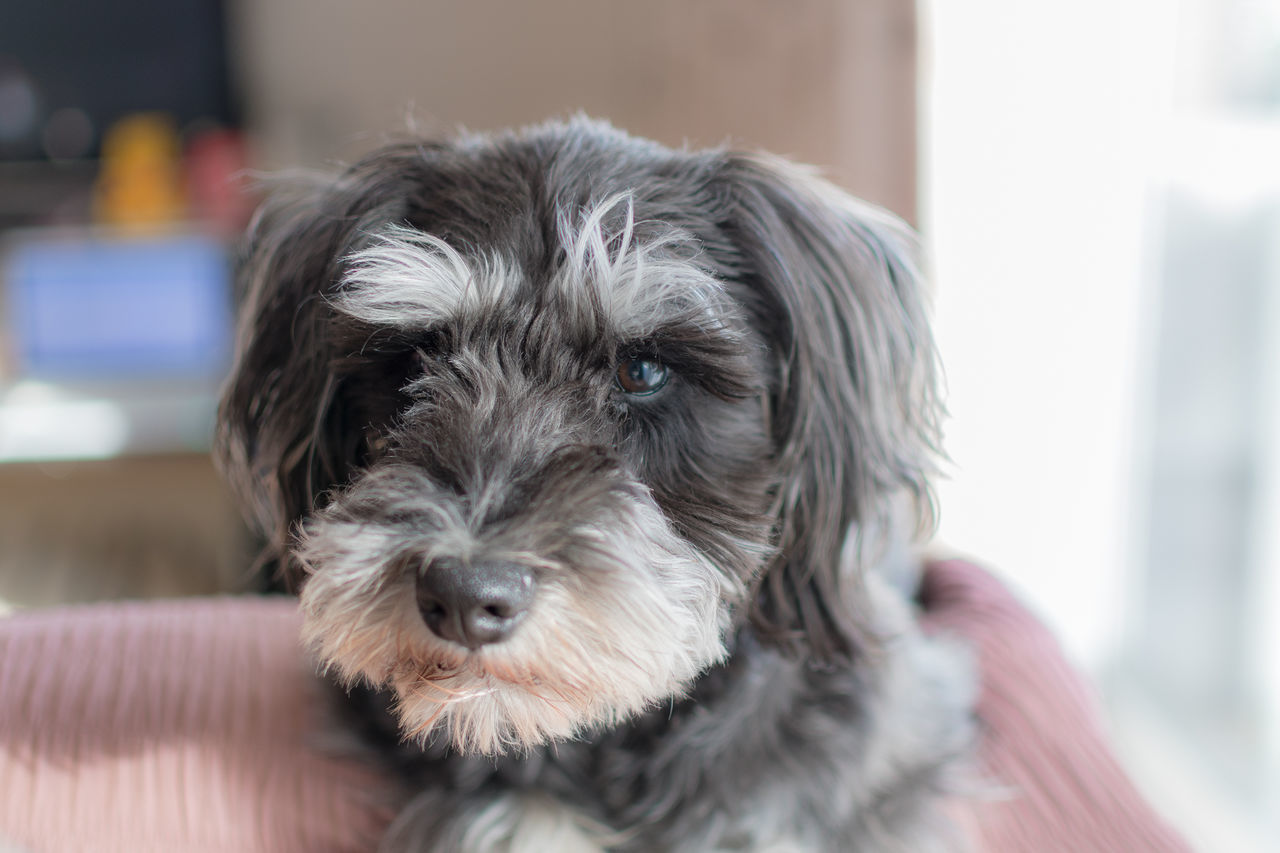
<point x="641" y="377"/>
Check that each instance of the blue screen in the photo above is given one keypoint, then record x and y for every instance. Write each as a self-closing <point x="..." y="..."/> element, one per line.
<point x="120" y="309"/>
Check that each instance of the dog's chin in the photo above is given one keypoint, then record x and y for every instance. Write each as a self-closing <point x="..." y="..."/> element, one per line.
<point x="491" y="707"/>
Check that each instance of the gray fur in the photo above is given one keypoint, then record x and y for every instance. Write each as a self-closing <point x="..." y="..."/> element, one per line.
<point x="712" y="660"/>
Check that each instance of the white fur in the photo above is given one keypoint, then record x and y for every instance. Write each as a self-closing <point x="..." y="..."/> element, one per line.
<point x="513" y="823"/>
<point x="532" y="824"/>
<point x="409" y="279"/>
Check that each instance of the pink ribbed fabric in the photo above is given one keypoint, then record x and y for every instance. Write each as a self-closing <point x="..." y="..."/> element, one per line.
<point x="169" y="726"/>
<point x="192" y="726"/>
<point x="1054" y="782"/>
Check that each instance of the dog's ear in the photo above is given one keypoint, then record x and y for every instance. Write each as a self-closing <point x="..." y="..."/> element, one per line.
<point x="856" y="412"/>
<point x="281" y="438"/>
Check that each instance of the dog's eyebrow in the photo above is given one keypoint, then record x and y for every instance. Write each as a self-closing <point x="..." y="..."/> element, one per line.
<point x="638" y="283"/>
<point x="411" y="279"/>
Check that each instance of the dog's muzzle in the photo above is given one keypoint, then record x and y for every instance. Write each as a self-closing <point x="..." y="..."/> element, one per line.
<point x="474" y="603"/>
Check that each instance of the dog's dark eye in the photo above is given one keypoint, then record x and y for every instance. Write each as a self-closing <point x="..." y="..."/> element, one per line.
<point x="641" y="377"/>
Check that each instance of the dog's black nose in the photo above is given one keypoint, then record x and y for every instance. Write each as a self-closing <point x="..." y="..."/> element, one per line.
<point x="474" y="603"/>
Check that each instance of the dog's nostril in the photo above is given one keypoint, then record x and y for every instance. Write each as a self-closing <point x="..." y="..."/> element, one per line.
<point x="474" y="603"/>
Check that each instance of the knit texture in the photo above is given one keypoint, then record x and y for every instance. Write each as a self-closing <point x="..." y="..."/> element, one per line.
<point x="1049" y="779"/>
<point x="170" y="726"/>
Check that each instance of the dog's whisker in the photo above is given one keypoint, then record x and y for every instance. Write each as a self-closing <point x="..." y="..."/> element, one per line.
<point x="433" y="678"/>
<point x="424" y="728"/>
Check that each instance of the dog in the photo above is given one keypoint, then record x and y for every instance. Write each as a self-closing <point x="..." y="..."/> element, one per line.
<point x="595" y="465"/>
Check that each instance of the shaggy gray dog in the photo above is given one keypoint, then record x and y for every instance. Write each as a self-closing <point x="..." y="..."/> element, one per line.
<point x="589" y="460"/>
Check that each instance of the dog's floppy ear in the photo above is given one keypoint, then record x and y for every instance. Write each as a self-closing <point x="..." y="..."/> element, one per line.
<point x="281" y="439"/>
<point x="856" y="410"/>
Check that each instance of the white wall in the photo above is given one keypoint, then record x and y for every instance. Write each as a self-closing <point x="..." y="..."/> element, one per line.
<point x="1039" y="122"/>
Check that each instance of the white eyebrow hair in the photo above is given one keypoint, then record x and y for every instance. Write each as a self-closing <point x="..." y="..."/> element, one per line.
<point x="410" y="279"/>
<point x="638" y="284"/>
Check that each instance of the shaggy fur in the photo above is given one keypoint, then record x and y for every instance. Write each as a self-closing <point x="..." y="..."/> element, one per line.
<point x="687" y="401"/>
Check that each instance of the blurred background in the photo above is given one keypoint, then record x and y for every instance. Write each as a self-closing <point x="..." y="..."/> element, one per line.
<point x="1098" y="184"/>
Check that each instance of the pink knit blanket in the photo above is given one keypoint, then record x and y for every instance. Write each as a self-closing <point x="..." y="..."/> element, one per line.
<point x="191" y="725"/>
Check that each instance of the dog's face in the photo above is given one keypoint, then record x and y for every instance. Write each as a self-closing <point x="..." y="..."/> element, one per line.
<point x="535" y="423"/>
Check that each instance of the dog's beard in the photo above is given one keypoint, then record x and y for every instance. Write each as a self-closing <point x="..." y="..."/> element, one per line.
<point x="626" y="614"/>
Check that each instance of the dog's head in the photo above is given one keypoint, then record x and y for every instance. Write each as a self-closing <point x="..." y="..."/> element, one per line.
<point x="534" y="423"/>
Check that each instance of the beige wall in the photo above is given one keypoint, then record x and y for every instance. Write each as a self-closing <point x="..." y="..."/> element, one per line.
<point x="830" y="82"/>
<point x="143" y="527"/>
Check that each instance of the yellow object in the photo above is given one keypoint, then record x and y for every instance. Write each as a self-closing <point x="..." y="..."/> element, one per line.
<point x="140" y="181"/>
